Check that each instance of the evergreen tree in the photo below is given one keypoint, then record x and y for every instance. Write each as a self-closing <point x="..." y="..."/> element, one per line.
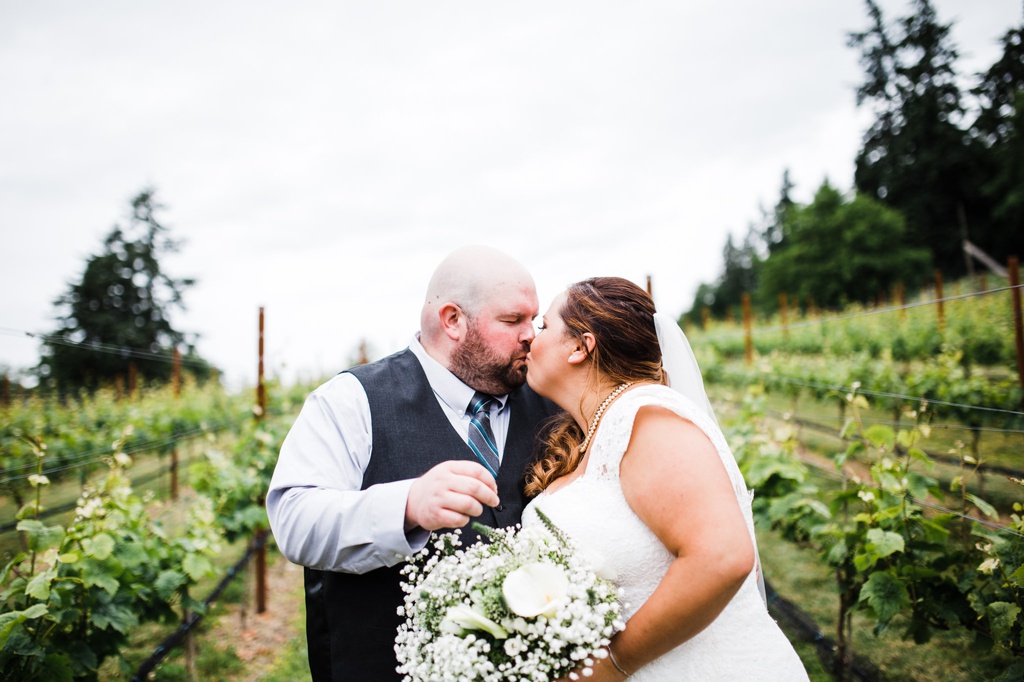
<point x="773" y="234"/>
<point x="915" y="158"/>
<point x="118" y="314"/>
<point x="1000" y="128"/>
<point x="739" y="275"/>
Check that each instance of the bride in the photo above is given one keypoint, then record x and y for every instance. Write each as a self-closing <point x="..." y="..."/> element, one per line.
<point x="640" y="475"/>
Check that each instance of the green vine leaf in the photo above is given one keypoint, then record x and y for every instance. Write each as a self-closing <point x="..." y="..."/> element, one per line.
<point x="197" y="566"/>
<point x="1002" y="616"/>
<point x="880" y="544"/>
<point x="39" y="586"/>
<point x="98" y="577"/>
<point x="99" y="547"/>
<point x="880" y="436"/>
<point x="41" y="537"/>
<point x="56" y="668"/>
<point x="132" y="554"/>
<point x="10" y="620"/>
<point x="168" y="582"/>
<point x="986" y="508"/>
<point x="885" y="595"/>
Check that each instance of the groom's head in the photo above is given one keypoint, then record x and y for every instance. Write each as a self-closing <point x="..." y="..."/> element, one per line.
<point x="477" y="319"/>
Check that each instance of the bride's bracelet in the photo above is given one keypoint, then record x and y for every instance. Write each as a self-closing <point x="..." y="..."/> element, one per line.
<point x="611" y="657"/>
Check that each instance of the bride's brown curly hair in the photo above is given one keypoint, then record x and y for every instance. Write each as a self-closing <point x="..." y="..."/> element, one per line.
<point x="620" y="315"/>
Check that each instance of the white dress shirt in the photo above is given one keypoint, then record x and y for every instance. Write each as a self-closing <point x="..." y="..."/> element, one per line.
<point x="319" y="515"/>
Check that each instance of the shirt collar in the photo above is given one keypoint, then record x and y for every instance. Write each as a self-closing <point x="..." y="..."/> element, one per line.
<point x="448" y="387"/>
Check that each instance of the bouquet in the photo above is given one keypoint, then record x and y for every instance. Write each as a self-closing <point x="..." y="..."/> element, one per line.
<point x="524" y="607"/>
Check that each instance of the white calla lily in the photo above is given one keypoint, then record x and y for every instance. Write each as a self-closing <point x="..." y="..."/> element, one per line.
<point x="461" y="619"/>
<point x="536" y="589"/>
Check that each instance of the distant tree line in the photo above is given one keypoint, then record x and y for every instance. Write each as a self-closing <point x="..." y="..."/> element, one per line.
<point x="939" y="165"/>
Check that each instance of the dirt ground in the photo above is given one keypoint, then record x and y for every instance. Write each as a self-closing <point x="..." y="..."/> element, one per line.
<point x="258" y="638"/>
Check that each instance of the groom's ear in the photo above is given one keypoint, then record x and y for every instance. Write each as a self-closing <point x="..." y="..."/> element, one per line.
<point x="453" y="320"/>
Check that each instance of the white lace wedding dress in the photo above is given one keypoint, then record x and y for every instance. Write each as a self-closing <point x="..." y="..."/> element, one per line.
<point x="744" y="642"/>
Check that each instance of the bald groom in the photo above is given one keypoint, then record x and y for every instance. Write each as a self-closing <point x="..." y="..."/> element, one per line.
<point x="382" y="454"/>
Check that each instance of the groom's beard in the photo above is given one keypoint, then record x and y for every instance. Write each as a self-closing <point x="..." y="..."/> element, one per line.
<point x="482" y="369"/>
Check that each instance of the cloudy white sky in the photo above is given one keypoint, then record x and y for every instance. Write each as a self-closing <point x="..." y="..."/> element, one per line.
<point x="320" y="157"/>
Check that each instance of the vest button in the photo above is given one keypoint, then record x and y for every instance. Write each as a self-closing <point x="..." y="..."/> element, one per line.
<point x="500" y="507"/>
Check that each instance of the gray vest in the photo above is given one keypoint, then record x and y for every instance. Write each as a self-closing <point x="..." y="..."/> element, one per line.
<point x="352" y="620"/>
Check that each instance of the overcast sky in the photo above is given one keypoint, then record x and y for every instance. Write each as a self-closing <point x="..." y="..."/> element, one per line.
<point x="320" y="158"/>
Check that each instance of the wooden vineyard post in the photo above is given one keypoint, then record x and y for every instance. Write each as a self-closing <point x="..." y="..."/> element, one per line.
<point x="784" y="314"/>
<point x="650" y="291"/>
<point x="705" y="317"/>
<point x="1018" y="323"/>
<point x="748" y="335"/>
<point x="901" y="300"/>
<point x="938" y="301"/>
<point x="133" y="377"/>
<point x="176" y="385"/>
<point x="261" y="533"/>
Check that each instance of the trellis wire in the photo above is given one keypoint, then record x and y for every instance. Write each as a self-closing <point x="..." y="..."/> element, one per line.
<point x="863" y="313"/>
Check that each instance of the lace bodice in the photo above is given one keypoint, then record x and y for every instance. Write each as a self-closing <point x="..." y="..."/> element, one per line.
<point x="743" y="643"/>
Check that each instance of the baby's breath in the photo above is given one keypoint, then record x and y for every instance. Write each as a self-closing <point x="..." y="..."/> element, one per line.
<point x="445" y="575"/>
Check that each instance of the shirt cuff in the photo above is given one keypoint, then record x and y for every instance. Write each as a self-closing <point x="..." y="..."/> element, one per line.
<point x="396" y="543"/>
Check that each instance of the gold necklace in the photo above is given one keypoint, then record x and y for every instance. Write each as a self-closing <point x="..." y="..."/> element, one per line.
<point x="600" y="411"/>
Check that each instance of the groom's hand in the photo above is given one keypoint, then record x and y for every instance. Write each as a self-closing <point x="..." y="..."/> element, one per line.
<point x="449" y="495"/>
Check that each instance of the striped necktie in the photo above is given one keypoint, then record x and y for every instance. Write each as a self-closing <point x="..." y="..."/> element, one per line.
<point x="481" y="438"/>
